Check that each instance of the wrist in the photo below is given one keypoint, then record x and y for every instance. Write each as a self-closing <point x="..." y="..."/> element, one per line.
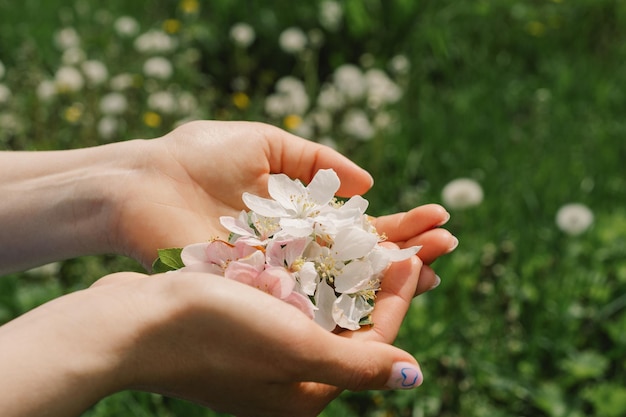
<point x="61" y="358"/>
<point x="59" y="204"/>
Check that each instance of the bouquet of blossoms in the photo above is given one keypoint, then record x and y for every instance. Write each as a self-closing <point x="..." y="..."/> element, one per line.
<point x="303" y="246"/>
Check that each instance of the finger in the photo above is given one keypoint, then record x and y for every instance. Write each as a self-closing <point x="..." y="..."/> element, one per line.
<point x="401" y="227"/>
<point x="301" y="158"/>
<point x="348" y="363"/>
<point x="428" y="280"/>
<point x="434" y="243"/>
<point x="118" y="277"/>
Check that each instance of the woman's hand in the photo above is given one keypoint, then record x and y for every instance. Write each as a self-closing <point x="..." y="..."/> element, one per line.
<point x="203" y="338"/>
<point x="186" y="180"/>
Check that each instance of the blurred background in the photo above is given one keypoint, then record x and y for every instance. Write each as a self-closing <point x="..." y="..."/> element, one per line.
<point x="510" y="113"/>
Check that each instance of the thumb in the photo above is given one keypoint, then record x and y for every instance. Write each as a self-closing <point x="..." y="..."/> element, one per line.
<point x="359" y="365"/>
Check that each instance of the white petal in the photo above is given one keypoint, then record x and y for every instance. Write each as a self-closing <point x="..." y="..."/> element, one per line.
<point x="396" y="255"/>
<point x="353" y="277"/>
<point x="348" y="311"/>
<point x="264" y="206"/>
<point x="194" y="254"/>
<point x="285" y="190"/>
<point x="237" y="226"/>
<point x="308" y="278"/>
<point x="323" y="186"/>
<point x="324" y="301"/>
<point x="353" y="243"/>
<point x="356" y="202"/>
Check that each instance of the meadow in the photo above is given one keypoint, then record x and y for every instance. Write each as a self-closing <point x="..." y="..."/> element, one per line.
<point x="524" y="99"/>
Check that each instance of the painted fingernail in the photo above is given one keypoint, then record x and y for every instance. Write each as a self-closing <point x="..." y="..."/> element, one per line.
<point x="436" y="283"/>
<point x="405" y="375"/>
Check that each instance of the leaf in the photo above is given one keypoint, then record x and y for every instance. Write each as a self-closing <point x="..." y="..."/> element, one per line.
<point x="168" y="260"/>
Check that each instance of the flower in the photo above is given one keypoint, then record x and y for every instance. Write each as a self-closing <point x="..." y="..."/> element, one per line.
<point x="126" y="26"/>
<point x="5" y="94"/>
<point x="46" y="90"/>
<point x="95" y="72"/>
<point x="292" y="40"/>
<point x="574" y="218"/>
<point x="462" y="193"/>
<point x="66" y="38"/>
<point x="350" y="81"/>
<point x="304" y="247"/>
<point x="242" y="34"/>
<point x="330" y="14"/>
<point x="163" y="102"/>
<point x="107" y="127"/>
<point x="68" y="79"/>
<point x="113" y="103"/>
<point x="158" y="67"/>
<point x="155" y="42"/>
<point x="357" y="124"/>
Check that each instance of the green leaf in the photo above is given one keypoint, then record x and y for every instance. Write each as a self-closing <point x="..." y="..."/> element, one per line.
<point x="168" y="260"/>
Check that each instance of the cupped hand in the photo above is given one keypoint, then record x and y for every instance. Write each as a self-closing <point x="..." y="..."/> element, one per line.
<point x="183" y="182"/>
<point x="235" y="349"/>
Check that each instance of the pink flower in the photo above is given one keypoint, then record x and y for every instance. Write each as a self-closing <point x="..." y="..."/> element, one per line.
<point x="275" y="281"/>
<point x="214" y="257"/>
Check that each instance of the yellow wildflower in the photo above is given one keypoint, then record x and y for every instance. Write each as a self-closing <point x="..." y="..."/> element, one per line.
<point x="73" y="113"/>
<point x="171" y="26"/>
<point x="152" y="119"/>
<point x="190" y="6"/>
<point x="292" y="121"/>
<point x="241" y="100"/>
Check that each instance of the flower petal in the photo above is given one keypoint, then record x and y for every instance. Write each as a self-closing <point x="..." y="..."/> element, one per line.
<point x="323" y="186"/>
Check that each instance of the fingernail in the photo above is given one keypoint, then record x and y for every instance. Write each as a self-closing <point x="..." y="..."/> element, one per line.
<point x="436" y="283"/>
<point x="405" y="375"/>
<point x="454" y="244"/>
<point x="445" y="220"/>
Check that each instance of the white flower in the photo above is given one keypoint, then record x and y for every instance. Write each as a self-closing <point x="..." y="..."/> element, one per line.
<point x="163" y="102"/>
<point x="68" y="79"/>
<point x="574" y="218"/>
<point x="126" y="26"/>
<point x="242" y="34"/>
<point x="5" y="94"/>
<point x="290" y="98"/>
<point x="462" y="193"/>
<point x="113" y="103"/>
<point x="66" y="38"/>
<point x="187" y="102"/>
<point x="380" y="89"/>
<point x="350" y="81"/>
<point x="400" y="65"/>
<point x="330" y="14"/>
<point x="73" y="56"/>
<point x="2" y="70"/>
<point x="108" y="127"/>
<point x="95" y="72"/>
<point x="302" y="245"/>
<point x="292" y="40"/>
<point x="158" y="67"/>
<point x="155" y="42"/>
<point x="357" y="124"/>
<point x="121" y="82"/>
<point x="330" y="98"/>
<point x="46" y="90"/>
<point x="291" y="199"/>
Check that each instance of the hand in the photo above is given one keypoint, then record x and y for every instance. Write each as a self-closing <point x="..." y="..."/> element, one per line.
<point x="200" y="337"/>
<point x="182" y="183"/>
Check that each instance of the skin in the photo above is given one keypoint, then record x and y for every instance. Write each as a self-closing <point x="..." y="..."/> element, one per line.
<point x="206" y="339"/>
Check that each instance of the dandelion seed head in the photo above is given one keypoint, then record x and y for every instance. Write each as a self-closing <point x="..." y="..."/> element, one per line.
<point x="242" y="34"/>
<point x="292" y="40"/>
<point x="574" y="218"/>
<point x="462" y="193"/>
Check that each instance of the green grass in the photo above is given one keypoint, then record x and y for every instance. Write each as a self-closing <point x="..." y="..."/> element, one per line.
<point x="524" y="97"/>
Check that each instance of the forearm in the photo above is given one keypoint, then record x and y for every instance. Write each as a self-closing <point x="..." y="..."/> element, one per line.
<point x="53" y="360"/>
<point x="57" y="205"/>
